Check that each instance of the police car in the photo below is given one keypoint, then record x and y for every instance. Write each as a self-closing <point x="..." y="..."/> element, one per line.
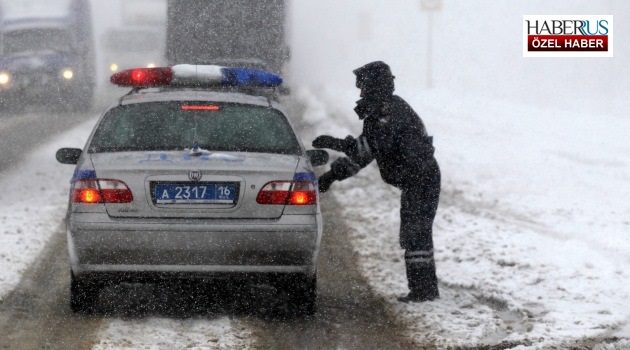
<point x="196" y="173"/>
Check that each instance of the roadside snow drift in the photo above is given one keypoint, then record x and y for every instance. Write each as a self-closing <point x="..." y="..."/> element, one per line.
<point x="33" y="202"/>
<point x="531" y="235"/>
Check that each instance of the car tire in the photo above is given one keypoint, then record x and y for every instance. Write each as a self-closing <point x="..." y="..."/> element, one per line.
<point x="305" y="295"/>
<point x="83" y="295"/>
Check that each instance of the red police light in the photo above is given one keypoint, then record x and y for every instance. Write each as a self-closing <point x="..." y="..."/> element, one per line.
<point x="143" y="77"/>
<point x="138" y="75"/>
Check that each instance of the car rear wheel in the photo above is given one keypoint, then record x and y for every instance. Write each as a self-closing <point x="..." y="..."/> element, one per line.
<point x="83" y="295"/>
<point x="305" y="294"/>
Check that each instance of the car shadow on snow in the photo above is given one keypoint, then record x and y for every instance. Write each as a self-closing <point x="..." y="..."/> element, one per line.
<point x="181" y="300"/>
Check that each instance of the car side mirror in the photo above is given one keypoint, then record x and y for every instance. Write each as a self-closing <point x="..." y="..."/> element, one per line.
<point x="317" y="156"/>
<point x="68" y="155"/>
<point x="284" y="90"/>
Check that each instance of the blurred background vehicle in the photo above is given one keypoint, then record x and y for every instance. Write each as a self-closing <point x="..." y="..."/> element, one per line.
<point x="137" y="38"/>
<point x="134" y="37"/>
<point x="211" y="32"/>
<point x="46" y="54"/>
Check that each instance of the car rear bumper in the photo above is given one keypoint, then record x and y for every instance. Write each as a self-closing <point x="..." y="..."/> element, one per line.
<point x="99" y="244"/>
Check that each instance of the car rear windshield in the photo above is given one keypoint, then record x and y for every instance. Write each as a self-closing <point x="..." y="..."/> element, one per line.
<point x="168" y="126"/>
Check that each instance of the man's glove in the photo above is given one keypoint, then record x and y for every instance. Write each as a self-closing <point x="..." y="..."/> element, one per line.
<point x="340" y="169"/>
<point x="325" y="181"/>
<point x="339" y="145"/>
<point x="344" y="168"/>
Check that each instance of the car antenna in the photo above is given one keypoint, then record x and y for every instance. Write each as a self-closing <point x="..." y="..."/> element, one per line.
<point x="269" y="100"/>
<point x="133" y="90"/>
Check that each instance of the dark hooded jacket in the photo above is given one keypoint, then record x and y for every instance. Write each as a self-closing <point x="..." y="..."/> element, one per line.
<point x="393" y="133"/>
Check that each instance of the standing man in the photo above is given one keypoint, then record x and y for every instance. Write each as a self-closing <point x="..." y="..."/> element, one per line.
<point x="395" y="136"/>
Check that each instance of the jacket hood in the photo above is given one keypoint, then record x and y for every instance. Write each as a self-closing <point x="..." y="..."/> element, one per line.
<point x="375" y="80"/>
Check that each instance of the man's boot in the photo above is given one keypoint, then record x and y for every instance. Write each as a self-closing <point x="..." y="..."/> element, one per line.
<point x="422" y="281"/>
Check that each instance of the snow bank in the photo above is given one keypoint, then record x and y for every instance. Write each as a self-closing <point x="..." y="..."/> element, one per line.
<point x="531" y="235"/>
<point x="33" y="203"/>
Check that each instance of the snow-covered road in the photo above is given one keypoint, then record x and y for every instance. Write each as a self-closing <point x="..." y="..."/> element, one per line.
<point x="531" y="235"/>
<point x="32" y="207"/>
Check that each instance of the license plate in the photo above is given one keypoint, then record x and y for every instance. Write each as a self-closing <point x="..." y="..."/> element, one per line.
<point x="205" y="193"/>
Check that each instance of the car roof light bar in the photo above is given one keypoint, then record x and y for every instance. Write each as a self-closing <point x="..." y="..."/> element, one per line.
<point x="187" y="75"/>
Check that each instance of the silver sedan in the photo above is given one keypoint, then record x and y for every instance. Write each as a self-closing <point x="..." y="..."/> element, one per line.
<point x="192" y="184"/>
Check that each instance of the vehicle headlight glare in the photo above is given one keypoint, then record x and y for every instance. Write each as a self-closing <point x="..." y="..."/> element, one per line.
<point x="4" y="78"/>
<point x="113" y="67"/>
<point x="151" y="65"/>
<point x="68" y="74"/>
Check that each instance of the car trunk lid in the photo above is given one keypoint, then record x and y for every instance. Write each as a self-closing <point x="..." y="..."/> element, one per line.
<point x="177" y="184"/>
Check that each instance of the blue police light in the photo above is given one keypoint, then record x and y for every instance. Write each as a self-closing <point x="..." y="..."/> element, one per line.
<point x="186" y="75"/>
<point x="249" y="77"/>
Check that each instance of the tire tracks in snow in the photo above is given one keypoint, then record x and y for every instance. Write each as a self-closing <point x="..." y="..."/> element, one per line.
<point x="522" y="319"/>
<point x="350" y="315"/>
<point x="36" y="315"/>
<point x="491" y="210"/>
<point x="514" y="320"/>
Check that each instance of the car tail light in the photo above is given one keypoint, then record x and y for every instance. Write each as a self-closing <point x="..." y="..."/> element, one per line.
<point x="288" y="193"/>
<point x="86" y="191"/>
<point x="302" y="193"/>
<point x="101" y="191"/>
